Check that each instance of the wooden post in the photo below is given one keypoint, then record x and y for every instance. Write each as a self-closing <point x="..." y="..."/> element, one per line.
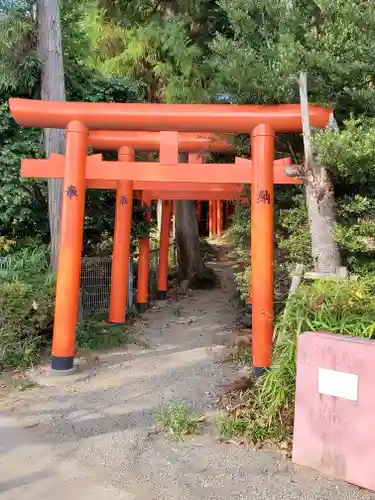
<point x="219" y="218"/>
<point x="214" y="218"/>
<point x="262" y="204"/>
<point x="210" y="219"/>
<point x="143" y="265"/>
<point x="70" y="251"/>
<point x="121" y="244"/>
<point x="163" y="250"/>
<point x="169" y="156"/>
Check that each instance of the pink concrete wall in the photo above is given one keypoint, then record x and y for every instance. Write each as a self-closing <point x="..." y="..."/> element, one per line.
<point x="333" y="434"/>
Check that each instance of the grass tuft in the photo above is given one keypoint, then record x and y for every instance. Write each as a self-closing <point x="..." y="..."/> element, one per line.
<point x="97" y="335"/>
<point x="178" y="421"/>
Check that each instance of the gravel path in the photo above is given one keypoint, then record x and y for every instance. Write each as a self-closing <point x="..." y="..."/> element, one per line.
<point x="94" y="439"/>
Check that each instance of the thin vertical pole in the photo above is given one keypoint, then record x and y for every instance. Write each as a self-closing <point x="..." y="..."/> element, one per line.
<point x="262" y="204"/>
<point x="219" y="218"/>
<point x="210" y="219"/>
<point x="169" y="156"/>
<point x="227" y="213"/>
<point x="198" y="211"/>
<point x="143" y="265"/>
<point x="121" y="244"/>
<point x="70" y="249"/>
<point x="197" y="158"/>
<point x="163" y="250"/>
<point x="214" y="218"/>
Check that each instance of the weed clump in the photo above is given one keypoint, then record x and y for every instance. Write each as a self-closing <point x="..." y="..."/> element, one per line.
<point x="265" y="412"/>
<point x="178" y="421"/>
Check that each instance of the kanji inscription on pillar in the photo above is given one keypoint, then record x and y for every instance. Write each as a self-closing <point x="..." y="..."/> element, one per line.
<point x="264" y="197"/>
<point x="71" y="192"/>
<point x="123" y="200"/>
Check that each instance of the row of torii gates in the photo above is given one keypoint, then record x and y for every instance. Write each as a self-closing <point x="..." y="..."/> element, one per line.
<point x="170" y="129"/>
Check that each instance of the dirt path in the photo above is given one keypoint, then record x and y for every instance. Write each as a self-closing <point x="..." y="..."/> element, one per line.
<point x="93" y="439"/>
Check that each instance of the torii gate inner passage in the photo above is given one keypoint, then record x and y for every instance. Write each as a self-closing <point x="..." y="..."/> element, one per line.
<point x="262" y="122"/>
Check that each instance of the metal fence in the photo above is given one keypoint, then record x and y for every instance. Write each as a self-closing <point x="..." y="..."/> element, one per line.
<point x="96" y="284"/>
<point x="96" y="280"/>
<point x="5" y="264"/>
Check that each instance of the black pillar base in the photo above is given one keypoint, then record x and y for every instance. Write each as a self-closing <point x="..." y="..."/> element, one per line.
<point x="117" y="323"/>
<point x="162" y="295"/>
<point x="258" y="371"/>
<point x="142" y="307"/>
<point x="59" y="363"/>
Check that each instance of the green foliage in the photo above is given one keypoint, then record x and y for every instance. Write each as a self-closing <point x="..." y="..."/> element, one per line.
<point x="349" y="155"/>
<point x="6" y="244"/>
<point x="229" y="426"/>
<point x="26" y="307"/>
<point x="178" y="421"/>
<point x="159" y="52"/>
<point x="350" y="158"/>
<point x="272" y="40"/>
<point x="293" y="236"/>
<point x="96" y="334"/>
<point x="343" y="307"/>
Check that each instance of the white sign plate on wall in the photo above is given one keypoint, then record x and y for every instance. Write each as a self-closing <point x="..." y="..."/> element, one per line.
<point x="338" y="384"/>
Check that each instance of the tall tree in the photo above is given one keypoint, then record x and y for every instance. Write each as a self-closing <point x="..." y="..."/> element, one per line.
<point x="164" y="48"/>
<point x="52" y="89"/>
<point x="258" y="63"/>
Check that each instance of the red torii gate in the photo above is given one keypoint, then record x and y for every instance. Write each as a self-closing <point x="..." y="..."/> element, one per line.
<point x="78" y="118"/>
<point x="54" y="167"/>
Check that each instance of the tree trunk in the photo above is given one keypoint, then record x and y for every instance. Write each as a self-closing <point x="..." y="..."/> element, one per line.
<point x="320" y="199"/>
<point x="190" y="263"/>
<point x="52" y="89"/>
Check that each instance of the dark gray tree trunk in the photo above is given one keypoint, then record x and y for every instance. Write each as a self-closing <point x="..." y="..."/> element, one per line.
<point x="320" y="199"/>
<point x="52" y="89"/>
<point x="190" y="263"/>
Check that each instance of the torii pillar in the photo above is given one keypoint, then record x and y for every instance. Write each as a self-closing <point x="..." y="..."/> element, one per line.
<point x="70" y="248"/>
<point x="143" y="263"/>
<point x="121" y="244"/>
<point x="168" y="155"/>
<point x="262" y="146"/>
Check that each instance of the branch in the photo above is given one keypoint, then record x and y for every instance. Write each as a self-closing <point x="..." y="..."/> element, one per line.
<point x="306" y="130"/>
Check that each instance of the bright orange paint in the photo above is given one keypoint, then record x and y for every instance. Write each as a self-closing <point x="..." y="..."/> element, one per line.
<point x="214" y="217"/>
<point x="262" y="144"/>
<point x="211" y="118"/>
<point x="195" y="195"/>
<point x="142" y="172"/>
<point x="219" y="217"/>
<point x="168" y="155"/>
<point x="121" y="244"/>
<point x="143" y="261"/>
<point x="98" y="171"/>
<point x="210" y="218"/>
<point x="188" y="142"/>
<point x="70" y="250"/>
<point x="261" y="121"/>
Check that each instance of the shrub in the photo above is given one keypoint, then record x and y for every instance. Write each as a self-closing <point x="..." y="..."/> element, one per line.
<point x="26" y="307"/>
<point x="344" y="307"/>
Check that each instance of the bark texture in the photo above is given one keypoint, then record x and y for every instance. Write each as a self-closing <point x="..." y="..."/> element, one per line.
<point x="191" y="266"/>
<point x="321" y="209"/>
<point x="52" y="89"/>
<point x="320" y="198"/>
